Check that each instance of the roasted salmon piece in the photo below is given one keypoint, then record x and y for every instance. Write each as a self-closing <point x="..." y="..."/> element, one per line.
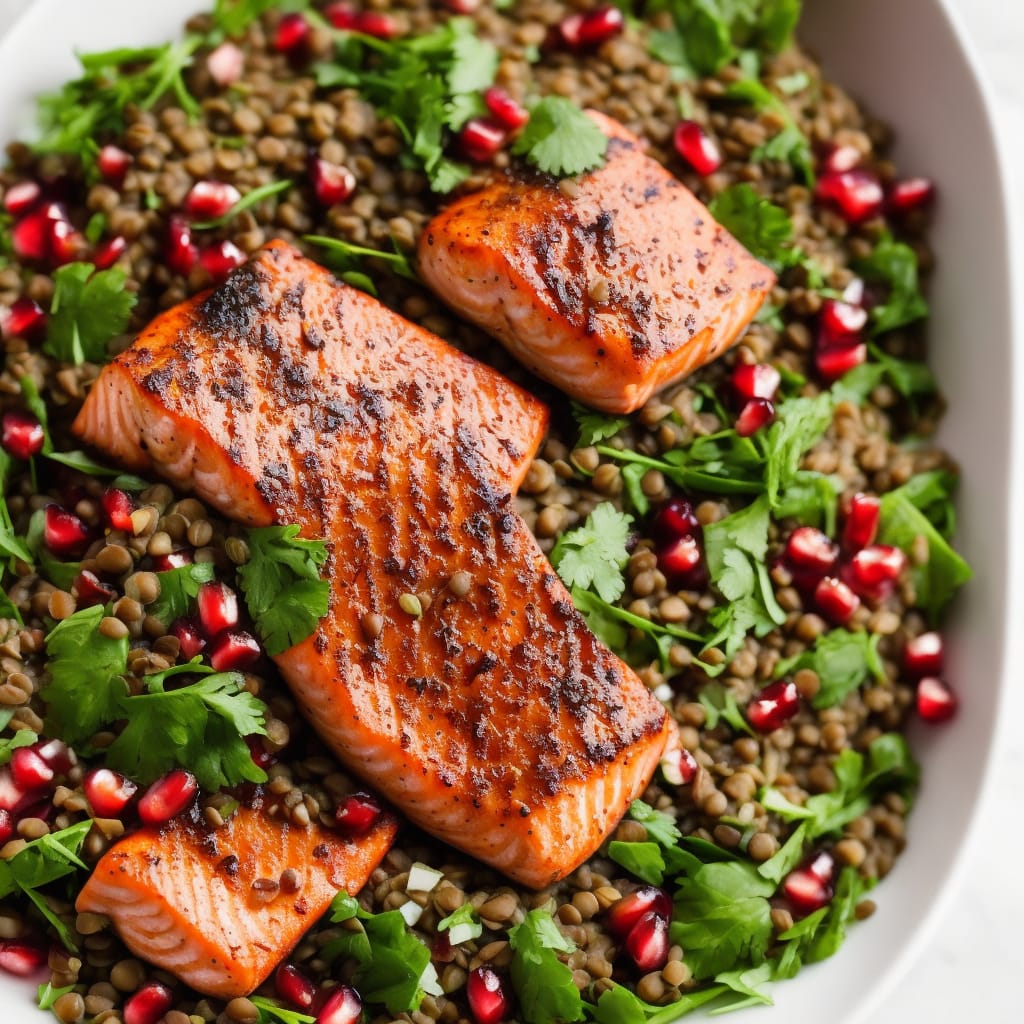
<point x="202" y="904"/>
<point x="611" y="286"/>
<point x="452" y="670"/>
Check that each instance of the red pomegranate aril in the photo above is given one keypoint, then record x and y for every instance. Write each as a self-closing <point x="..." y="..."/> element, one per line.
<point x="835" y="361"/>
<point x="841" y="322"/>
<point x="221" y="258"/>
<point x="857" y="194"/>
<point x="342" y="1005"/>
<point x="923" y="655"/>
<point x="681" y="560"/>
<point x="486" y="995"/>
<point x="679" y="766"/>
<point x="29" y="770"/>
<point x="936" y="702"/>
<point x="148" y="1004"/>
<point x="108" y="792"/>
<point x="462" y="6"/>
<point x="853" y="293"/>
<point x="294" y="987"/>
<point x="109" y="251"/>
<point x="20" y="198"/>
<point x="755" y="380"/>
<point x="861" y="525"/>
<point x="174" y="560"/>
<point x="191" y="641"/>
<point x="225" y="64"/>
<point x="874" y="570"/>
<point x="291" y="33"/>
<point x="647" y="942"/>
<point x="208" y="200"/>
<point x="509" y="113"/>
<point x="911" y="194"/>
<point x="598" y="26"/>
<point x="113" y="163"/>
<point x="217" y="604"/>
<point x="839" y="159"/>
<point x="675" y="519"/>
<point x="65" y="243"/>
<point x="480" y="139"/>
<point x="835" y="600"/>
<point x="357" y="813"/>
<point x="809" y="550"/>
<point x="755" y="414"/>
<point x="90" y="590"/>
<point x="332" y="183"/>
<point x="30" y="236"/>
<point x="168" y="797"/>
<point x="822" y="865"/>
<point x="775" y="705"/>
<point x="342" y="15"/>
<point x="25" y="319"/>
<point x="21" y="434"/>
<point x="697" y="148"/>
<point x="64" y="533"/>
<point x="118" y="507"/>
<point x="806" y="891"/>
<point x="376" y="24"/>
<point x="181" y="253"/>
<point x="624" y="913"/>
<point x="235" y="651"/>
<point x="57" y="754"/>
<point x="22" y="959"/>
<point x="6" y="825"/>
<point x="261" y="757"/>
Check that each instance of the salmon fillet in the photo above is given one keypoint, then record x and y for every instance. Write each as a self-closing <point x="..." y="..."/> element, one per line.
<point x="494" y="719"/>
<point x="194" y="902"/>
<point x="611" y="286"/>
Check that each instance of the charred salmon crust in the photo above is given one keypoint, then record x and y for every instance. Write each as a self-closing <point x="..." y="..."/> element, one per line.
<point x="494" y="720"/>
<point x="611" y="290"/>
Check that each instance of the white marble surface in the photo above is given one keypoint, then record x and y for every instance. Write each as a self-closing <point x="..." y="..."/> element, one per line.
<point x="971" y="966"/>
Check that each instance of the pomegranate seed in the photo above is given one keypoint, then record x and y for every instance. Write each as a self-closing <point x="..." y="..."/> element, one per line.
<point x="462" y="6"/>
<point x="675" y="519"/>
<point x="22" y="434"/>
<point x="25" y="319"/>
<point x="332" y="183"/>
<point x="376" y="24"/>
<point x="806" y="889"/>
<point x="841" y="322"/>
<point x="180" y="252"/>
<point x="861" y="524"/>
<point x="487" y="1000"/>
<point x="624" y="913"/>
<point x="191" y="641"/>
<point x="911" y="194"/>
<point x="118" y="507"/>
<point x="810" y="551"/>
<point x="294" y="987"/>
<point x="65" y="243"/>
<point x="148" y="1004"/>
<point x="175" y="560"/>
<point x="167" y="797"/>
<point x="291" y="34"/>
<point x="510" y="114"/>
<point x="342" y="1006"/>
<point x="936" y="702"/>
<point x="682" y="561"/>
<point x="113" y="163"/>
<point x="225" y="64"/>
<point x="857" y="194"/>
<point x="218" y="607"/>
<point x="13" y="798"/>
<point x="755" y="380"/>
<point x="833" y="362"/>
<point x="647" y="942"/>
<point x="261" y="757"/>
<point x="109" y="251"/>
<point x="57" y="754"/>
<point x="839" y="159"/>
<point x="20" y="198"/>
<point x="6" y="825"/>
<point x="108" y="792"/>
<point x="342" y="15"/>
<point x="91" y="590"/>
<point x="874" y="570"/>
<point x="480" y="139"/>
<point x="30" y="236"/>
<point x="589" y="30"/>
<point x="775" y="705"/>
<point x="679" y="766"/>
<point x="853" y="293"/>
<point x="835" y="600"/>
<point x="923" y="655"/>
<point x="210" y="199"/>
<point x="822" y="865"/>
<point x="29" y="770"/>
<point x="357" y="813"/>
<point x="64" y="533"/>
<point x="21" y="958"/>
<point x="757" y="413"/>
<point x="221" y="258"/>
<point x="697" y="148"/>
<point x="235" y="651"/>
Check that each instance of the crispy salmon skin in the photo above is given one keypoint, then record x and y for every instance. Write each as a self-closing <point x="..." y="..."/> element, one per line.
<point x="197" y="903"/>
<point x="452" y="670"/>
<point x="610" y="286"/>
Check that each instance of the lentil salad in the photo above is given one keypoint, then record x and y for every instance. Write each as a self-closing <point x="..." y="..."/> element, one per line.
<point x="746" y="781"/>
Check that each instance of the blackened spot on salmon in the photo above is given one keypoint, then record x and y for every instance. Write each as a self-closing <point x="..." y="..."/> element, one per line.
<point x="391" y="565"/>
<point x="269" y="340"/>
<point x="447" y="777"/>
<point x="314" y="338"/>
<point x="371" y="402"/>
<point x="291" y="301"/>
<point x="143" y="356"/>
<point x="332" y="416"/>
<point x="232" y="311"/>
<point x="233" y="388"/>
<point x="157" y="381"/>
<point x="651" y="192"/>
<point x="235" y="454"/>
<point x="321" y="851"/>
<point x="229" y="865"/>
<point x="691" y="324"/>
<point x="488" y="662"/>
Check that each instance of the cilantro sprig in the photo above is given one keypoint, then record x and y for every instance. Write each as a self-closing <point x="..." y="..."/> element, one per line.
<point x="762" y="227"/>
<point x="593" y="555"/>
<point x="843" y="661"/>
<point x="348" y="261"/>
<point x="542" y="983"/>
<point x="894" y="265"/>
<point x="560" y="139"/>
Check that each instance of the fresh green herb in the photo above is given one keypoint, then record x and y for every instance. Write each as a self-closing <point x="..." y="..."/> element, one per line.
<point x="661" y="827"/>
<point x="813" y="941"/>
<point x="790" y="85"/>
<point x="593" y="555"/>
<point x="282" y="585"/>
<point x="347" y="260"/>
<point x="462" y="924"/>
<point x="47" y="995"/>
<point x="842" y="661"/>
<point x="271" y="1012"/>
<point x="60" y="574"/>
<point x="720" y="705"/>
<point x="763" y="228"/>
<point x="617" y="1005"/>
<point x="178" y="588"/>
<point x="595" y="426"/>
<point x="789" y="144"/>
<point x="233" y="17"/>
<point x="9" y="744"/>
<point x="560" y="139"/>
<point x="89" y="309"/>
<point x="8" y="609"/>
<point x="542" y="983"/>
<point x="11" y="545"/>
<point x="250" y="199"/>
<point x="645" y="860"/>
<point x="95" y="227"/>
<point x="894" y="264"/>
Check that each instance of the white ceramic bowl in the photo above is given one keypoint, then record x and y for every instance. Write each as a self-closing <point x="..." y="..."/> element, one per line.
<point x="908" y="62"/>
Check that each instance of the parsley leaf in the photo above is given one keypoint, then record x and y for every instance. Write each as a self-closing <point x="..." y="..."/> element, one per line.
<point x="89" y="309"/>
<point x="593" y="555"/>
<point x="789" y="144"/>
<point x="760" y="226"/>
<point x="347" y="260"/>
<point x="720" y="704"/>
<point x="282" y="585"/>
<point x="560" y="139"/>
<point x="47" y="995"/>
<point x="894" y="264"/>
<point x="270" y="1012"/>
<point x="661" y="827"/>
<point x="234" y="16"/>
<point x="543" y="984"/>
<point x="842" y="661"/>
<point x="178" y="587"/>
<point x="595" y="426"/>
<point x="643" y="859"/>
<point x="9" y="744"/>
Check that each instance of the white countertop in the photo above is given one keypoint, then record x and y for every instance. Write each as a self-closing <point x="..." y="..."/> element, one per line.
<point x="971" y="967"/>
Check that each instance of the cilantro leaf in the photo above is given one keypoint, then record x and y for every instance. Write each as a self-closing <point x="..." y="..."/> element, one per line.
<point x="763" y="228"/>
<point x="593" y="555"/>
<point x="720" y="704"/>
<point x="235" y="16"/>
<point x="643" y="859"/>
<point x="178" y="588"/>
<point x="9" y="744"/>
<point x="560" y="139"/>
<point x="271" y="1012"/>
<point x="595" y="426"/>
<point x="618" y="1005"/>
<point x="89" y="309"/>
<point x="347" y="260"/>
<point x="47" y="995"/>
<point x="789" y="144"/>
<point x="543" y="984"/>
<point x="894" y="264"/>
<point x="282" y="585"/>
<point x="842" y="660"/>
<point x="661" y="827"/>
